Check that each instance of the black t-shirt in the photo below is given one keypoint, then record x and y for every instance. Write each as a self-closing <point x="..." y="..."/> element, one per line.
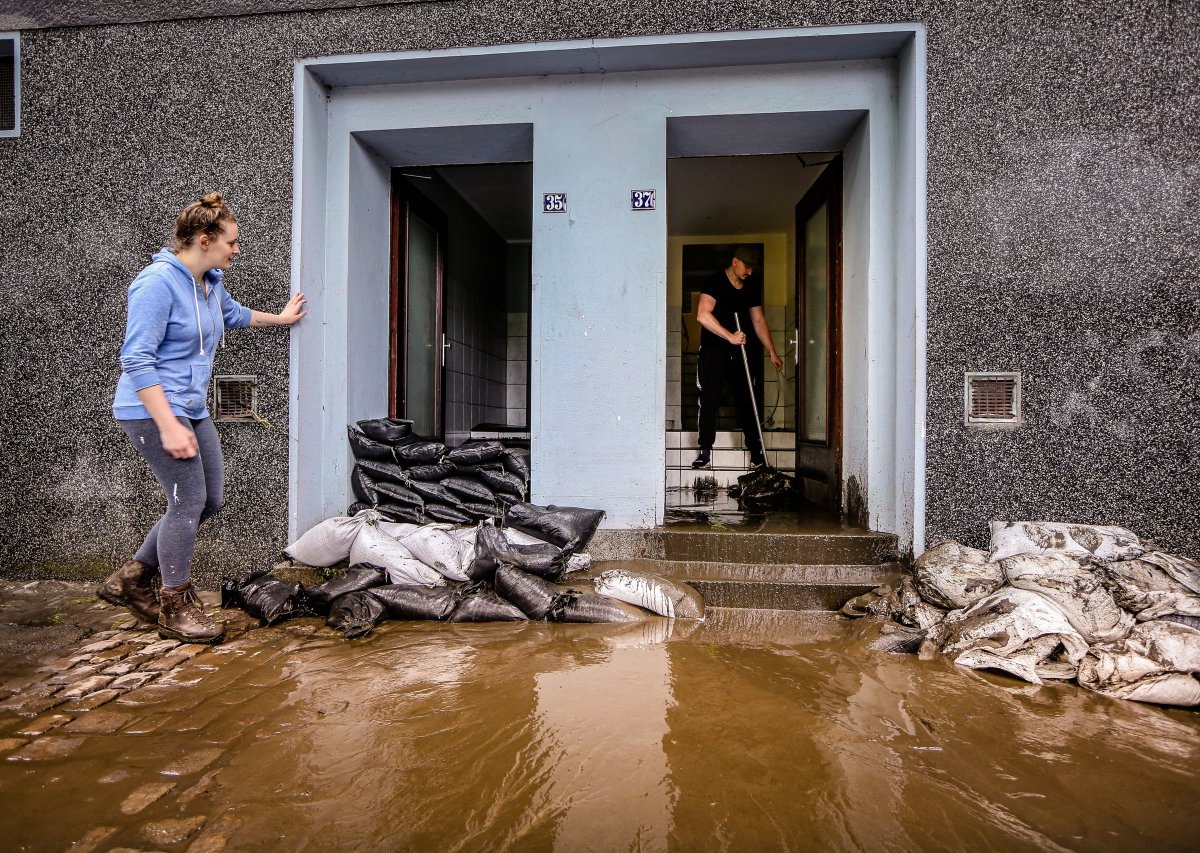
<point x="730" y="300"/>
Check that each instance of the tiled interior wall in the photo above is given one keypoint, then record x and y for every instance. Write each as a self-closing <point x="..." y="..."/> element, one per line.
<point x="517" y="371"/>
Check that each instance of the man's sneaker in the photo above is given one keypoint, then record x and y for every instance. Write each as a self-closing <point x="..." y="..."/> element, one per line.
<point x="704" y="460"/>
<point x="757" y="460"/>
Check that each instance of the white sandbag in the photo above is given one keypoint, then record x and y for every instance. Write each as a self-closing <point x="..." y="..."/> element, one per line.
<point x="373" y="547"/>
<point x="1158" y="662"/>
<point x="438" y="549"/>
<point x="1102" y="544"/>
<point x="1072" y="588"/>
<point x="952" y="576"/>
<point x="914" y="611"/>
<point x="1012" y="630"/>
<point x="655" y="593"/>
<point x="329" y="542"/>
<point x="580" y="562"/>
<point x="519" y="537"/>
<point x="1155" y="585"/>
<point x="399" y="529"/>
<point x="466" y="537"/>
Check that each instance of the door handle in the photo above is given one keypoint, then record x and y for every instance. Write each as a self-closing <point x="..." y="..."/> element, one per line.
<point x="796" y="345"/>
<point x="445" y="346"/>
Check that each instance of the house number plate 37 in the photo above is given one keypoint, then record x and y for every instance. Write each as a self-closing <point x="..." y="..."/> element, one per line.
<point x="641" y="199"/>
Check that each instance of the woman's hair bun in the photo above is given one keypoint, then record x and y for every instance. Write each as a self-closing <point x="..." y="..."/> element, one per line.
<point x="213" y="200"/>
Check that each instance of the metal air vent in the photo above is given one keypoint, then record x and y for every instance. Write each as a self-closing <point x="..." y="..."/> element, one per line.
<point x="236" y="398"/>
<point x="993" y="398"/>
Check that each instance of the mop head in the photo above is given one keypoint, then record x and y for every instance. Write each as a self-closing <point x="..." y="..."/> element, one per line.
<point x="765" y="487"/>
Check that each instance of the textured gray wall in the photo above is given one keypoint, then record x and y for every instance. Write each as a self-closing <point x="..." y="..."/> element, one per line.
<point x="1063" y="183"/>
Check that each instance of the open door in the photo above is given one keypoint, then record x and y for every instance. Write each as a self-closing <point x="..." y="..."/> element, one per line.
<point x="418" y="339"/>
<point x="818" y="353"/>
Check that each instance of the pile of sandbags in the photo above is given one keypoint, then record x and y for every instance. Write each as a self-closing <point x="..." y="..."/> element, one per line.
<point x="449" y="573"/>
<point x="1052" y="601"/>
<point x="407" y="478"/>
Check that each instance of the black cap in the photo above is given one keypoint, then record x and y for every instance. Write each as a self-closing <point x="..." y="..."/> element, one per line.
<point x="748" y="255"/>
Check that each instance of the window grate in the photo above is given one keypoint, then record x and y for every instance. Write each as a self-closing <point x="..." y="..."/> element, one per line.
<point x="993" y="398"/>
<point x="9" y="84"/>
<point x="236" y="398"/>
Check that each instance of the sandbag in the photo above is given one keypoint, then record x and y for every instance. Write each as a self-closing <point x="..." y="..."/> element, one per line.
<point x="398" y="530"/>
<point x="430" y="473"/>
<point x="1102" y="544"/>
<point x="356" y="613"/>
<point x="483" y="605"/>
<point x="474" y="453"/>
<point x="578" y="563"/>
<point x="383" y="472"/>
<point x="442" y="512"/>
<point x="492" y="548"/>
<point x="438" y="550"/>
<point x="952" y="576"/>
<point x="366" y="448"/>
<point x="373" y="547"/>
<point x="263" y="596"/>
<point x="506" y="499"/>
<point x="590" y="607"/>
<point x="881" y="601"/>
<point x="468" y="489"/>
<point x="434" y="493"/>
<point x="516" y="461"/>
<point x="481" y="512"/>
<point x="330" y="541"/>
<point x="357" y="507"/>
<point x="1155" y="585"/>
<point x="319" y="598"/>
<point x="568" y="527"/>
<point x="502" y="481"/>
<point x="365" y="489"/>
<point x="895" y="638"/>
<point x="1158" y="662"/>
<point x="469" y="470"/>
<point x="914" y="611"/>
<point x="419" y="453"/>
<point x="386" y="430"/>
<point x="537" y="598"/>
<point x="652" y="592"/>
<point x="400" y="513"/>
<point x="1079" y="594"/>
<point x="404" y="601"/>
<point x="395" y="494"/>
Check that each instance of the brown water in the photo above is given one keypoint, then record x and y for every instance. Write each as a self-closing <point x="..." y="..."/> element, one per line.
<point x="753" y="730"/>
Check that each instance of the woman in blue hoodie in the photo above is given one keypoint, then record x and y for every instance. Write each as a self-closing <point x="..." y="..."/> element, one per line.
<point x="178" y="311"/>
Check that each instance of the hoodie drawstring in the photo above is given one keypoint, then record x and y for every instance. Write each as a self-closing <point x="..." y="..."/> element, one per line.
<point x="199" y="327"/>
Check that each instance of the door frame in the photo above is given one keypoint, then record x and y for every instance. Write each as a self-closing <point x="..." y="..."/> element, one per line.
<point x="405" y="202"/>
<point x="828" y="188"/>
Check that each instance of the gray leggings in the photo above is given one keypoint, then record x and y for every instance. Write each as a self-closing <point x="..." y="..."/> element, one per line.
<point x="195" y="489"/>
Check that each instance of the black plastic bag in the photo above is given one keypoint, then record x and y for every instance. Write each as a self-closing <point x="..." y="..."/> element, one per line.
<point x="492" y="549"/>
<point x="263" y="596"/>
<point x="364" y="486"/>
<point x="483" y="605"/>
<point x="430" y="472"/>
<point x="356" y="613"/>
<point x="395" y="494"/>
<point x="502" y="481"/>
<point x="434" y="492"/>
<point x="396" y="512"/>
<point x="386" y="430"/>
<point x="506" y="499"/>
<point x="473" y="470"/>
<point x="590" y="607"/>
<point x="475" y="452"/>
<point x="568" y="527"/>
<point x="469" y="489"/>
<point x="482" y="511"/>
<point x="442" y="512"/>
<point x="367" y="448"/>
<point x="319" y="598"/>
<point x="516" y="462"/>
<point x="404" y="601"/>
<point x="537" y="598"/>
<point x="383" y="472"/>
<point x="764" y="488"/>
<point x="357" y="507"/>
<point x="419" y="453"/>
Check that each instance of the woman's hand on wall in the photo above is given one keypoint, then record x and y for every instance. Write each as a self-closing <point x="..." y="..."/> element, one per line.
<point x="291" y="314"/>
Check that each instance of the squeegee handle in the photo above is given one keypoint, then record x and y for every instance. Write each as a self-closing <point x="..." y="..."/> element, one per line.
<point x="750" y="386"/>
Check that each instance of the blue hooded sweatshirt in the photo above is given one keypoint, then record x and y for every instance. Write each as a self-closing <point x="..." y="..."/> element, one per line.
<point x="171" y="335"/>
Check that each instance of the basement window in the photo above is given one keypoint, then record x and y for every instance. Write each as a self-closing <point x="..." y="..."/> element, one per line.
<point x="236" y="399"/>
<point x="993" y="399"/>
<point x="10" y="84"/>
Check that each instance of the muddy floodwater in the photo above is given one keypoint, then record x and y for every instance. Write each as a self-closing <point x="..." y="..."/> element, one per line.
<point x="755" y="730"/>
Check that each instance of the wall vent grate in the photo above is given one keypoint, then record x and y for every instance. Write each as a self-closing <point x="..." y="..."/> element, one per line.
<point x="993" y="398"/>
<point x="236" y="398"/>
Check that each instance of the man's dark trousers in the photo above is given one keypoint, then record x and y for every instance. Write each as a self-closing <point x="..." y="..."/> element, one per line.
<point x="720" y="367"/>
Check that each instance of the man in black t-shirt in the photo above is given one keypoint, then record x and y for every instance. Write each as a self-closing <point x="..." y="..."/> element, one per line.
<point x="728" y="293"/>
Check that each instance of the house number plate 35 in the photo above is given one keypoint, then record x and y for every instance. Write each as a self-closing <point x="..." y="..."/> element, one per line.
<point x="641" y="199"/>
<point x="554" y="202"/>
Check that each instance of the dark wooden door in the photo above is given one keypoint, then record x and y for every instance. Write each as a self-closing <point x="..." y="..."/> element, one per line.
<point x="819" y="345"/>
<point x="418" y="329"/>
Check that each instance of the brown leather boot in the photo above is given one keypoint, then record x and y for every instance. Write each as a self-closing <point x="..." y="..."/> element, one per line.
<point x="132" y="586"/>
<point x="181" y="617"/>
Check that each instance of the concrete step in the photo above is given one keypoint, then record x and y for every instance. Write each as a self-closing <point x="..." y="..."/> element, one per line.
<point x="845" y="547"/>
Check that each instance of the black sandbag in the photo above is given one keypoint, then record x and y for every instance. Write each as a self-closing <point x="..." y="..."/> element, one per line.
<point x="473" y="470"/>
<point x="430" y="472"/>
<point x="383" y="472"/>
<point x="263" y="596"/>
<point x="356" y="613"/>
<point x="492" y="549"/>
<point x="319" y="598"/>
<point x="405" y="601"/>
<point x="231" y="587"/>
<point x="419" y="453"/>
<point x="367" y="448"/>
<point x="364" y="486"/>
<point x="441" y="512"/>
<point x="483" y="605"/>
<point x="357" y="507"/>
<point x="482" y="511"/>
<point x="502" y="481"/>
<point x="434" y="492"/>
<point x="516" y="462"/>
<point x="506" y="499"/>
<point x="473" y="453"/>
<point x="537" y="598"/>
<point x="469" y="489"/>
<point x="590" y="607"/>
<point x="396" y="512"/>
<point x="568" y="527"/>
<point x="395" y="494"/>
<point x="386" y="430"/>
